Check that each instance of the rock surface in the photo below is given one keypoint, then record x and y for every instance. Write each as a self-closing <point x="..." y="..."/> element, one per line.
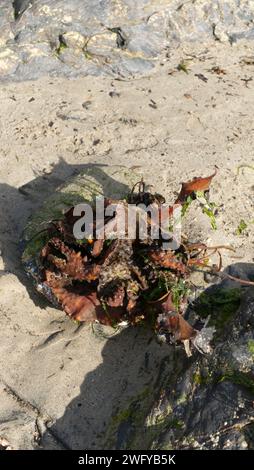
<point x="118" y="38"/>
<point x="205" y="403"/>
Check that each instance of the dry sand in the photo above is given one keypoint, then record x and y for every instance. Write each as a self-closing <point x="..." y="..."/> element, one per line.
<point x="174" y="125"/>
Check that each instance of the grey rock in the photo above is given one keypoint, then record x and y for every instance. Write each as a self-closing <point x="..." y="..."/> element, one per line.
<point x="203" y="402"/>
<point x="123" y="38"/>
<point x="6" y="16"/>
<point x="20" y="6"/>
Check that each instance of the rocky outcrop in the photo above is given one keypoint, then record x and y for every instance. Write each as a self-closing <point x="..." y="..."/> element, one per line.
<point x="205" y="402"/>
<point x="119" y="38"/>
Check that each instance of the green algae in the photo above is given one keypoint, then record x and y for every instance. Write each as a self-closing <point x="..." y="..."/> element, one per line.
<point x="134" y="414"/>
<point x="220" y="304"/>
<point x="243" y="379"/>
<point x="251" y="347"/>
